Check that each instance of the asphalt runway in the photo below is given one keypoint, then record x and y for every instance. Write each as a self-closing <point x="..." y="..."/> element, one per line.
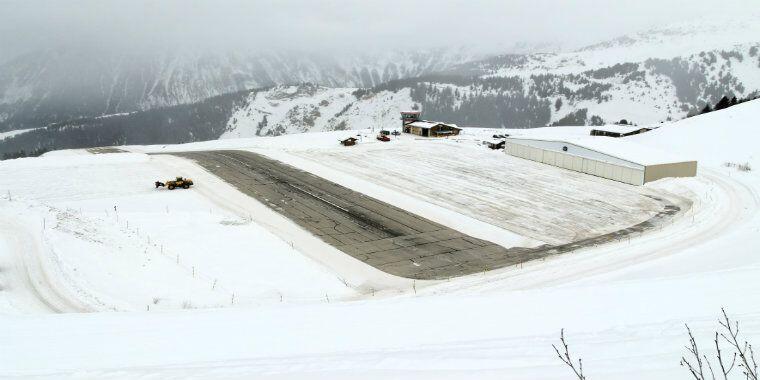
<point x="373" y="231"/>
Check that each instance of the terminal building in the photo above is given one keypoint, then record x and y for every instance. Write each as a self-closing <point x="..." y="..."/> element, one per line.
<point x="609" y="158"/>
<point x="411" y="123"/>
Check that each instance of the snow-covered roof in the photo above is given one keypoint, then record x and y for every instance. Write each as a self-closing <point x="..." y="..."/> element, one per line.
<point x="620" y="148"/>
<point x="430" y="124"/>
<point x="622" y="129"/>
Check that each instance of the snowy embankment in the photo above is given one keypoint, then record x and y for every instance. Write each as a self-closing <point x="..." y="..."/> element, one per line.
<point x="96" y="228"/>
<point x="623" y="305"/>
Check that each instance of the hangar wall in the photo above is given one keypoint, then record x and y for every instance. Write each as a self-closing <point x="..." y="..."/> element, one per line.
<point x="615" y="171"/>
<point x="676" y="169"/>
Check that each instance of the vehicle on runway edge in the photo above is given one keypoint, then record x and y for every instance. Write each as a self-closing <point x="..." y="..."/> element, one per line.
<point x="184" y="183"/>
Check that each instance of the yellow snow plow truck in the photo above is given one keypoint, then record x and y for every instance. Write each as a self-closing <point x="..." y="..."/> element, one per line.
<point x="184" y="183"/>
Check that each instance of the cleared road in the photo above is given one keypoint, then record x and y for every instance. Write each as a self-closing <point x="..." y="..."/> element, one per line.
<point x="375" y="232"/>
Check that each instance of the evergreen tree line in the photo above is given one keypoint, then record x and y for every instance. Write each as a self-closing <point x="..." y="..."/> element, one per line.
<point x="205" y="120"/>
<point x="723" y="103"/>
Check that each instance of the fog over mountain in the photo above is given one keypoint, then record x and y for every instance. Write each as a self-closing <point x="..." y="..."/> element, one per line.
<point x="136" y="68"/>
<point x="337" y="26"/>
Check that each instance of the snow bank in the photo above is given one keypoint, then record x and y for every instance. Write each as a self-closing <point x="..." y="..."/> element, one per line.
<point x="116" y="240"/>
<point x="715" y="138"/>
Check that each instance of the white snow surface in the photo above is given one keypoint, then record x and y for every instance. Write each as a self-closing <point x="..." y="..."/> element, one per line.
<point x="5" y="135"/>
<point x="624" y="148"/>
<point x="310" y="108"/>
<point x="623" y="305"/>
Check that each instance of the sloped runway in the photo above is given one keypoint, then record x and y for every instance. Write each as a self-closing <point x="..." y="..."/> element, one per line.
<point x="374" y="232"/>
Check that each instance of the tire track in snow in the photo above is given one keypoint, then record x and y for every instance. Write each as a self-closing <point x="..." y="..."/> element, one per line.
<point x="593" y="263"/>
<point x="28" y="275"/>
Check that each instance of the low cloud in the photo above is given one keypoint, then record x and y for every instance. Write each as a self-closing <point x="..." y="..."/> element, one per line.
<point x="334" y="25"/>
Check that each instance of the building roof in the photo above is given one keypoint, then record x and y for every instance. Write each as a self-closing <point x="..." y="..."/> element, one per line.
<point x="620" y="148"/>
<point x="622" y="129"/>
<point x="430" y="124"/>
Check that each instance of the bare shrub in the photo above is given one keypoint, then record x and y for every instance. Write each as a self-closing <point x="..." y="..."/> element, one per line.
<point x="741" y="355"/>
<point x="745" y="167"/>
<point x="565" y="357"/>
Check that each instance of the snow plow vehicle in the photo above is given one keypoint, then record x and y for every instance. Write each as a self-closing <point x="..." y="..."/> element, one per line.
<point x="383" y="137"/>
<point x="184" y="183"/>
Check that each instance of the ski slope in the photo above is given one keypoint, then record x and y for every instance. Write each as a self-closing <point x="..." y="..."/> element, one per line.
<point x="622" y="304"/>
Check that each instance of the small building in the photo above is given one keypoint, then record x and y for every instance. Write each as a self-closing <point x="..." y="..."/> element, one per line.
<point x="618" y="130"/>
<point x="348" y="142"/>
<point x="411" y="123"/>
<point x="426" y="128"/>
<point x="496" y="145"/>
<point x="614" y="159"/>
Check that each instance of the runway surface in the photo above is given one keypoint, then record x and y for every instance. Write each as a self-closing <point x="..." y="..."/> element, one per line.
<point x="376" y="232"/>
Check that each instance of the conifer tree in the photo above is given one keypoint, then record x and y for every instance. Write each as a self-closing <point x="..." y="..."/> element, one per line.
<point x="723" y="103"/>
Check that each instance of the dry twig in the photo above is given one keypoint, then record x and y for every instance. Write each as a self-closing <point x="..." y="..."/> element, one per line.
<point x="566" y="357"/>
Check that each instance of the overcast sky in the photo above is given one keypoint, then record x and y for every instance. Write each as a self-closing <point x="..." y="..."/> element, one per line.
<point x="344" y="25"/>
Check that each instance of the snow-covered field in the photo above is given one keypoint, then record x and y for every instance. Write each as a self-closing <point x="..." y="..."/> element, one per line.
<point x="95" y="228"/>
<point x="531" y="199"/>
<point x="64" y="247"/>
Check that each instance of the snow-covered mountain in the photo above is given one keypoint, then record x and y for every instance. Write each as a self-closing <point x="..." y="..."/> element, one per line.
<point x="649" y="77"/>
<point x="310" y="108"/>
<point x="58" y="85"/>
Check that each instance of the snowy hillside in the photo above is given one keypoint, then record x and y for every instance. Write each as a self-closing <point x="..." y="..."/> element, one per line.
<point x="649" y="77"/>
<point x="645" y="78"/>
<point x="43" y="87"/>
<point x="280" y="303"/>
<point x="311" y="108"/>
<point x="673" y="40"/>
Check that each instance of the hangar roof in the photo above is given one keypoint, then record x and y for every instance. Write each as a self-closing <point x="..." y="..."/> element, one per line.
<point x="619" y="148"/>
